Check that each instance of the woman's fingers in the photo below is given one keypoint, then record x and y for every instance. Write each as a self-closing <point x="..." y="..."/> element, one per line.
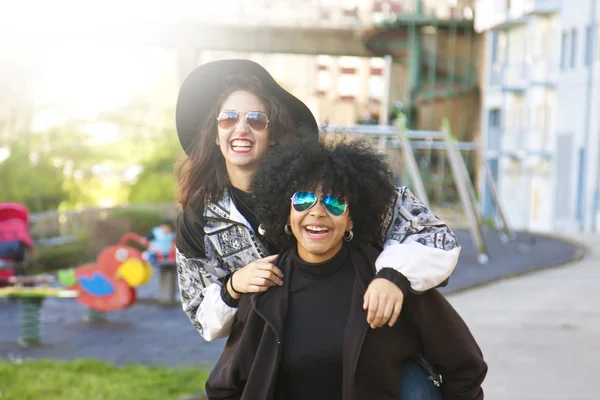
<point x="266" y="265"/>
<point x="395" y="313"/>
<point x="380" y="313"/>
<point x="258" y="276"/>
<point x="271" y="277"/>
<point x="372" y="310"/>
<point x="383" y="300"/>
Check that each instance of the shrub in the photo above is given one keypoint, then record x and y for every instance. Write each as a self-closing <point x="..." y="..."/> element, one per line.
<point x="141" y="220"/>
<point x="108" y="232"/>
<point x="46" y="259"/>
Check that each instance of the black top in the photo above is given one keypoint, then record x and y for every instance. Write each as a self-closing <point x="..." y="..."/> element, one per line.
<point x="319" y="305"/>
<point x="244" y="203"/>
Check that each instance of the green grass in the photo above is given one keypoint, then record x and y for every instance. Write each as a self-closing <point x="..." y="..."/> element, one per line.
<point x="95" y="380"/>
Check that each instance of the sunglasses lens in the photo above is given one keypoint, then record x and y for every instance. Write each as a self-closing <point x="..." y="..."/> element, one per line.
<point x="228" y="119"/>
<point x="257" y="120"/>
<point x="334" y="204"/>
<point x="302" y="201"/>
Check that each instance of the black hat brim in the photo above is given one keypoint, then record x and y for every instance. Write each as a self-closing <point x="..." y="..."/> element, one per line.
<point x="203" y="86"/>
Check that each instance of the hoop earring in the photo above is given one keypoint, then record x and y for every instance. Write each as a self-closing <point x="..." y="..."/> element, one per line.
<point x="288" y="229"/>
<point x="348" y="235"/>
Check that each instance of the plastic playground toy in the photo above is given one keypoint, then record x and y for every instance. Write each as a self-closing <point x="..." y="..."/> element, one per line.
<point x="15" y="242"/>
<point x="32" y="299"/>
<point x="110" y="283"/>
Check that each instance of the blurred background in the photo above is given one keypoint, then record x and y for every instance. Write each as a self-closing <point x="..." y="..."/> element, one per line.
<point x="87" y="91"/>
<point x="88" y="144"/>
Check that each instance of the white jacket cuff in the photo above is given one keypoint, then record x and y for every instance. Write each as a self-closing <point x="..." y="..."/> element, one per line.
<point x="424" y="267"/>
<point x="215" y="317"/>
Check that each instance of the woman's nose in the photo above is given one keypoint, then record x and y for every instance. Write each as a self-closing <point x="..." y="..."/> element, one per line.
<point x="242" y="126"/>
<point x="318" y="210"/>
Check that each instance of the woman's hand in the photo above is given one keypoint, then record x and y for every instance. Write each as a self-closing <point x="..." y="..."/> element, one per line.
<point x="258" y="276"/>
<point x="383" y="299"/>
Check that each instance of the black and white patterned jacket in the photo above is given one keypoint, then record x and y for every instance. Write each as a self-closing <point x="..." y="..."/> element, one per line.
<point x="214" y="242"/>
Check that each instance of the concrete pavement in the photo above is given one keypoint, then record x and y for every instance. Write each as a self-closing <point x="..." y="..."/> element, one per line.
<point x="540" y="333"/>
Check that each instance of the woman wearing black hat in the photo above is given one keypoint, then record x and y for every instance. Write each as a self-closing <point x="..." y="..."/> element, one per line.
<point x="309" y="339"/>
<point x="230" y="114"/>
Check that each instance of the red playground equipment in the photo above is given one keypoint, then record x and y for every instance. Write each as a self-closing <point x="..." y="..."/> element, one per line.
<point x="110" y="283"/>
<point x="15" y="242"/>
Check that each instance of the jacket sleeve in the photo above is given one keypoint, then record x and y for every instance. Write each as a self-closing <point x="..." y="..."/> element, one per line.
<point x="199" y="268"/>
<point x="449" y="346"/>
<point x="417" y="244"/>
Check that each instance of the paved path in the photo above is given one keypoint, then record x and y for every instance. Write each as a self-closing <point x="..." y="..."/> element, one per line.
<point x="540" y="333"/>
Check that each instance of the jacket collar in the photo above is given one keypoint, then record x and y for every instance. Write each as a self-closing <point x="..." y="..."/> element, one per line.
<point x="222" y="214"/>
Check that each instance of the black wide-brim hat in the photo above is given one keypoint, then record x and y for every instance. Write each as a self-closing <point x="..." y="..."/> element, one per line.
<point x="202" y="88"/>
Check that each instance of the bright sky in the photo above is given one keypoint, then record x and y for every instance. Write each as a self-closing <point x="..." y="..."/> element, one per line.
<point x="95" y="78"/>
<point x="76" y="73"/>
<point x="80" y="74"/>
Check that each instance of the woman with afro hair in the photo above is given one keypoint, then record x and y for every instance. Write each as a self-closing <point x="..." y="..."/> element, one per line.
<point x="321" y="203"/>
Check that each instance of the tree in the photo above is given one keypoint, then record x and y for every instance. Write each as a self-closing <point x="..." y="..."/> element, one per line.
<point x="156" y="183"/>
<point x="31" y="178"/>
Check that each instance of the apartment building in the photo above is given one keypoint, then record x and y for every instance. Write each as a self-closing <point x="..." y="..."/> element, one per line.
<point x="577" y="135"/>
<point x="539" y="111"/>
<point x="518" y="99"/>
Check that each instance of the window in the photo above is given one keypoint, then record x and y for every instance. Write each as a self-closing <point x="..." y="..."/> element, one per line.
<point x="323" y="81"/>
<point x="597" y="42"/>
<point x="563" y="51"/>
<point x="589" y="45"/>
<point x="348" y="85"/>
<point x="573" y="48"/>
<point x="376" y="87"/>
<point x="494" y="118"/>
<point x="494" y="46"/>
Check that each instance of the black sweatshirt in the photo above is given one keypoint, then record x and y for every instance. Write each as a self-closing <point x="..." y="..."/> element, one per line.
<point x="319" y="305"/>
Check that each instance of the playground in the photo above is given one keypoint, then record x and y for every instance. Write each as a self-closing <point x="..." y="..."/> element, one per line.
<point x="123" y="308"/>
<point x="150" y="332"/>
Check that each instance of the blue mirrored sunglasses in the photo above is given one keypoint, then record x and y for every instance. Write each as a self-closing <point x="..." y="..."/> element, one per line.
<point x="302" y="201"/>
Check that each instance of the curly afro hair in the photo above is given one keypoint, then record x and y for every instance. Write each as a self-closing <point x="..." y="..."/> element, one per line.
<point x="342" y="165"/>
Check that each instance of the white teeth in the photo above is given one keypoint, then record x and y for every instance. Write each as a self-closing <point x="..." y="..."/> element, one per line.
<point x="317" y="228"/>
<point x="242" y="143"/>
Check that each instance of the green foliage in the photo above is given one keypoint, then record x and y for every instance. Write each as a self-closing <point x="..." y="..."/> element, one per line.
<point x="156" y="183"/>
<point x="95" y="380"/>
<point x="38" y="185"/>
<point x="142" y="220"/>
<point x="52" y="258"/>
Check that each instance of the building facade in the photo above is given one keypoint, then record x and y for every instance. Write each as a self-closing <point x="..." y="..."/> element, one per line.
<point x="539" y="112"/>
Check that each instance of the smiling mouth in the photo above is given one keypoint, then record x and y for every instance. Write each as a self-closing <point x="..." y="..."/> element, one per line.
<point x="317" y="232"/>
<point x="241" y="146"/>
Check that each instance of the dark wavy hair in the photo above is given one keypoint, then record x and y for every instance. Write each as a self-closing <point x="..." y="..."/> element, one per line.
<point x="203" y="174"/>
<point x="343" y="165"/>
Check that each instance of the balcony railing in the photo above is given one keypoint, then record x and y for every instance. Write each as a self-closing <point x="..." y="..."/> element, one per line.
<point x="518" y="76"/>
<point x="541" y="6"/>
